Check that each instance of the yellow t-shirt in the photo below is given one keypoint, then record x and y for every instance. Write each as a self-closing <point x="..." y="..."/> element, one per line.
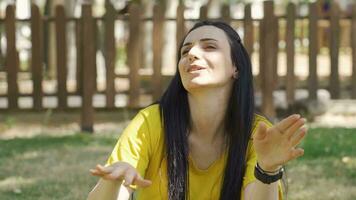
<point x="142" y="145"/>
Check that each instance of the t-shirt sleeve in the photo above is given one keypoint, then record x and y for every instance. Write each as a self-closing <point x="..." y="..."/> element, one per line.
<point x="133" y="146"/>
<point x="252" y="158"/>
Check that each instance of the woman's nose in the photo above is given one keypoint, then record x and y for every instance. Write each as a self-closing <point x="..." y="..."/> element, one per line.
<point x="192" y="57"/>
<point x="193" y="53"/>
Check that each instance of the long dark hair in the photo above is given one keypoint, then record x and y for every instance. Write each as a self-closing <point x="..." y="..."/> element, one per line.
<point x="175" y="115"/>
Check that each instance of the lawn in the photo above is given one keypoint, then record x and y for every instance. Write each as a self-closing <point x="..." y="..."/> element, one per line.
<point x="57" y="167"/>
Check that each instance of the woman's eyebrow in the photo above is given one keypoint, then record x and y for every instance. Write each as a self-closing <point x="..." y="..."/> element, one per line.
<point x="202" y="40"/>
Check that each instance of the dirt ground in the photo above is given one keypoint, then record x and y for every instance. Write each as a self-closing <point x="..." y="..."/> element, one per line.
<point x="339" y="114"/>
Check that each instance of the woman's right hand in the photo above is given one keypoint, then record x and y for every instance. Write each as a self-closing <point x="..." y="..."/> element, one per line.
<point x="120" y="171"/>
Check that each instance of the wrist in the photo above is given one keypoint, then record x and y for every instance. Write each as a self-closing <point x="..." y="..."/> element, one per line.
<point x="269" y="169"/>
<point x="267" y="177"/>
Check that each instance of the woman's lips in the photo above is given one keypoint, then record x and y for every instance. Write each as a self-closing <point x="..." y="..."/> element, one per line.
<point x="195" y="68"/>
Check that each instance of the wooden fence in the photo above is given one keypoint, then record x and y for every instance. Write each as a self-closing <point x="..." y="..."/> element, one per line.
<point x="86" y="51"/>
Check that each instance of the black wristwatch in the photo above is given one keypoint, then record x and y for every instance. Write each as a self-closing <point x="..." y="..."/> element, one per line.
<point x="262" y="176"/>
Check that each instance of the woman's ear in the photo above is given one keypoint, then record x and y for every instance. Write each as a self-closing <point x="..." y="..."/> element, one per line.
<point x="235" y="75"/>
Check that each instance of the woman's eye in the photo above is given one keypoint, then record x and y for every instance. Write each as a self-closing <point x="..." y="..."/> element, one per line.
<point x="210" y="47"/>
<point x="184" y="52"/>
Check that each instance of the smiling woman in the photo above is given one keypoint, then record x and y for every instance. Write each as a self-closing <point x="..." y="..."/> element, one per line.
<point x="203" y="139"/>
<point x="205" y="59"/>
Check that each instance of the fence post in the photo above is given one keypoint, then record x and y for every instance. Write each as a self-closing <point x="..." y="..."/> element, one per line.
<point x="290" y="79"/>
<point x="225" y="13"/>
<point x="180" y="24"/>
<point x="79" y="57"/>
<point x="313" y="52"/>
<point x="110" y="55"/>
<point x="158" y="23"/>
<point x="353" y="46"/>
<point x="275" y="48"/>
<point x="12" y="62"/>
<point x="61" y="44"/>
<point x="203" y="15"/>
<point x="248" y="30"/>
<point x="133" y="54"/>
<point x="267" y="62"/>
<point x="88" y="72"/>
<point x="334" y="83"/>
<point x="96" y="39"/>
<point x="37" y="56"/>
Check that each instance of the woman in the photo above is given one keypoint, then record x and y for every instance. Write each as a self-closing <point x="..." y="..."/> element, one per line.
<point x="203" y="140"/>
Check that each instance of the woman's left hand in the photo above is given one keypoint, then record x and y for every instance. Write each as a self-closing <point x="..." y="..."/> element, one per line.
<point x="276" y="145"/>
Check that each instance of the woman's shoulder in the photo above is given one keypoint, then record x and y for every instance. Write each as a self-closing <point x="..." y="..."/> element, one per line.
<point x="151" y="109"/>
<point x="260" y="118"/>
<point x="152" y="117"/>
<point x="151" y="112"/>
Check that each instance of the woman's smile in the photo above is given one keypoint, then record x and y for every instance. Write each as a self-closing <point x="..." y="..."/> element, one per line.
<point x="195" y="68"/>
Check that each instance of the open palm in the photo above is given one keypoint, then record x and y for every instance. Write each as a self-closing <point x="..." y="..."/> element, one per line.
<point x="276" y="145"/>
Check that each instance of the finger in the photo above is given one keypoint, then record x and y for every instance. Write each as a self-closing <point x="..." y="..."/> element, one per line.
<point x="297" y="153"/>
<point x="95" y="172"/>
<point x="139" y="181"/>
<point x="103" y="169"/>
<point x="297" y="138"/>
<point x="129" y="177"/>
<point x="116" y="174"/>
<point x="292" y="129"/>
<point x="261" y="131"/>
<point x="287" y="122"/>
<point x="110" y="177"/>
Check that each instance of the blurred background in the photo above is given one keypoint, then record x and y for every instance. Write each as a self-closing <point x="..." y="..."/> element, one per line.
<point x="74" y="72"/>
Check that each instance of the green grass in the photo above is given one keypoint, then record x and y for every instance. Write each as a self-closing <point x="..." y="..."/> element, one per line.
<point x="48" y="167"/>
<point x="328" y="168"/>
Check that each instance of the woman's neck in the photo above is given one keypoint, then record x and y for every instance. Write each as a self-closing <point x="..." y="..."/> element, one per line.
<point x="207" y="109"/>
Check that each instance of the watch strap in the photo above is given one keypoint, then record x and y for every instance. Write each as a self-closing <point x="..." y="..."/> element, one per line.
<point x="266" y="178"/>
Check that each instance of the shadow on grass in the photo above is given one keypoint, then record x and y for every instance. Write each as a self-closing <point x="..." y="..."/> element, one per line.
<point x="48" y="167"/>
<point x="20" y="145"/>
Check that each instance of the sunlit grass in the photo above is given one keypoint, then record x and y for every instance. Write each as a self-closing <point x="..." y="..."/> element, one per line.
<point x="50" y="167"/>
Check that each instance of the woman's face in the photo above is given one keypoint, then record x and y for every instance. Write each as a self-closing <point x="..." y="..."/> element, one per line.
<point x="206" y="59"/>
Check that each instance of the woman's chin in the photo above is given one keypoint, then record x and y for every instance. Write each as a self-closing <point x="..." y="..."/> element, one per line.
<point x="196" y="85"/>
